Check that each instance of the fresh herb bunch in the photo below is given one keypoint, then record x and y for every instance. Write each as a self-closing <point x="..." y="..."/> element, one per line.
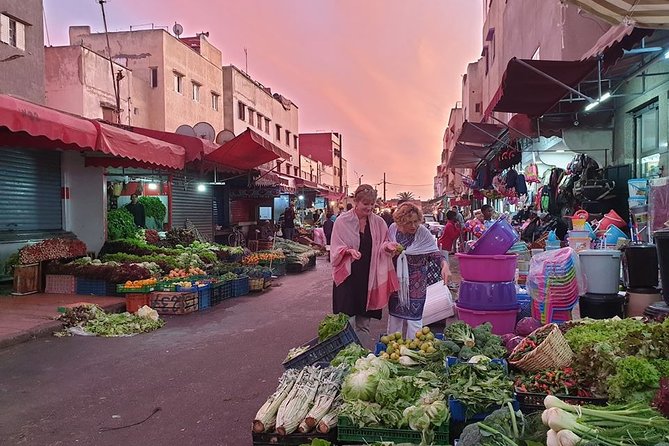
<point x="154" y="208"/>
<point x="331" y="325"/>
<point x="480" y="386"/>
<point x="120" y="224"/>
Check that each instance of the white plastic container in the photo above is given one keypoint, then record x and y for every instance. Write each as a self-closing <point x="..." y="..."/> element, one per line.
<point x="601" y="268"/>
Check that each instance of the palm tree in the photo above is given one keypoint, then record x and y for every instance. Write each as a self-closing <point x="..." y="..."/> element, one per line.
<point x="405" y="196"/>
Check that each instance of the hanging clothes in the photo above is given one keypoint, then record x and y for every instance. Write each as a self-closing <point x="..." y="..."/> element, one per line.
<point x="511" y="178"/>
<point x="521" y="185"/>
<point x="532" y="173"/>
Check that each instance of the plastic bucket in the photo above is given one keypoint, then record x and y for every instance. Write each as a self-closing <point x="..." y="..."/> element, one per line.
<point x="487" y="295"/>
<point x="497" y="239"/>
<point x="640" y="266"/>
<point x="478" y="268"/>
<point x="579" y="219"/>
<point x="638" y="188"/>
<point x="602" y="306"/>
<point x="579" y="244"/>
<point x="601" y="268"/>
<point x="612" y="235"/>
<point x="638" y="299"/>
<point x="503" y="322"/>
<point x="611" y="219"/>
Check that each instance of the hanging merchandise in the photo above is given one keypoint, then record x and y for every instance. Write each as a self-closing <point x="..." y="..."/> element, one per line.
<point x="521" y="185"/>
<point x="545" y="198"/>
<point x="511" y="178"/>
<point x="532" y="173"/>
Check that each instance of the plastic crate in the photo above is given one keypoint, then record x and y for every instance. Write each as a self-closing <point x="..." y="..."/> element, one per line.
<point x="459" y="411"/>
<point x="267" y="283"/>
<point x="295" y="439"/>
<point x="165" y="286"/>
<point x="240" y="286"/>
<point x="60" y="284"/>
<point x="348" y="432"/>
<point x="324" y="351"/>
<point x="295" y="268"/>
<point x="279" y="269"/>
<point x="204" y="297"/>
<point x="530" y="402"/>
<point x="312" y="262"/>
<point x="135" y="301"/>
<point x="95" y="287"/>
<point x="525" y="303"/>
<point x="173" y="303"/>
<point x="121" y="289"/>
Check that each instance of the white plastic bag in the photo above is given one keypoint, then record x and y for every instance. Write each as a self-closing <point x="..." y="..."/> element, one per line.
<point x="438" y="304"/>
<point x="147" y="313"/>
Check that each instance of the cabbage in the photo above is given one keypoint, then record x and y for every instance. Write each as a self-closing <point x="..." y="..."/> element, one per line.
<point x="360" y="385"/>
<point x="513" y="342"/>
<point x="526" y="326"/>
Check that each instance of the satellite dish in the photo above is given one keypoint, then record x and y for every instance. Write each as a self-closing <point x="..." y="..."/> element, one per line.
<point x="204" y="130"/>
<point x="177" y="29"/>
<point x="224" y="136"/>
<point x="185" y="129"/>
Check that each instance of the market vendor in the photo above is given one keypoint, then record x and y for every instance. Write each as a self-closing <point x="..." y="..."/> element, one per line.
<point x="362" y="266"/>
<point x="487" y="212"/>
<point x="137" y="210"/>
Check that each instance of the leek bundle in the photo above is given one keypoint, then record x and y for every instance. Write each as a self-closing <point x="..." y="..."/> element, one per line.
<point x="327" y="393"/>
<point x="295" y="407"/>
<point x="266" y="416"/>
<point x="329" y="421"/>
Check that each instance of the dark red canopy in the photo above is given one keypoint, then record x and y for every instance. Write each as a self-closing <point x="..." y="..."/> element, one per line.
<point x="246" y="151"/>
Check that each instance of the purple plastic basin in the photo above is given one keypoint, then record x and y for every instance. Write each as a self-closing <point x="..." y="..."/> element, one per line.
<point x="479" y="268"/>
<point x="497" y="239"/>
<point x="495" y="296"/>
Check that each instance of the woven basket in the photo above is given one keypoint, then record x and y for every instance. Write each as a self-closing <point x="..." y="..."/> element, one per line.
<point x="552" y="353"/>
<point x="256" y="284"/>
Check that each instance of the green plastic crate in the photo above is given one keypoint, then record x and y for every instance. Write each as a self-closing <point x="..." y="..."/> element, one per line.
<point x="121" y="289"/>
<point x="347" y="432"/>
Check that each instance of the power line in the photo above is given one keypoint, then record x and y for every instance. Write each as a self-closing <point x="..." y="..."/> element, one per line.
<point x="410" y="185"/>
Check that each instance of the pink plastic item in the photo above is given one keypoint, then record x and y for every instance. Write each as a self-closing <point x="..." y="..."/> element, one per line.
<point x="478" y="268"/>
<point x="497" y="239"/>
<point x="503" y="322"/>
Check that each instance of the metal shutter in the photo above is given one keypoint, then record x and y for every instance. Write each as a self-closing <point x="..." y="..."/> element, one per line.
<point x="192" y="205"/>
<point x="30" y="184"/>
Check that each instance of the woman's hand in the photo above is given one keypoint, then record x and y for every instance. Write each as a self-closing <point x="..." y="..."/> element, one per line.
<point x="392" y="248"/>
<point x="445" y="272"/>
<point x="354" y="253"/>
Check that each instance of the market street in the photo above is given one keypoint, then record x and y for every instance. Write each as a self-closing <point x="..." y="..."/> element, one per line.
<point x="209" y="372"/>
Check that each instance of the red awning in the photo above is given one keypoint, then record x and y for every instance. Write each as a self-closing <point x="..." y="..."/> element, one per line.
<point x="614" y="42"/>
<point x="146" y="152"/>
<point x="196" y="148"/>
<point x="523" y="90"/>
<point x="480" y="133"/>
<point x="466" y="156"/>
<point x="246" y="151"/>
<point x="652" y="14"/>
<point x="34" y="125"/>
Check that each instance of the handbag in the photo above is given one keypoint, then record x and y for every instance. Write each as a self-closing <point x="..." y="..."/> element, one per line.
<point x="438" y="303"/>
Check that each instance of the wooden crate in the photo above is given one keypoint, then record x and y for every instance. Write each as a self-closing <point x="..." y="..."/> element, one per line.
<point x="27" y="279"/>
<point x="172" y="302"/>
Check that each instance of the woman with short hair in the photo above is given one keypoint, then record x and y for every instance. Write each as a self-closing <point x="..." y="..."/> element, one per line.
<point x="419" y="249"/>
<point x="362" y="266"/>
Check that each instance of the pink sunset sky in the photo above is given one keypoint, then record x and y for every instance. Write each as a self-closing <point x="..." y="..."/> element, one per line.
<point x="384" y="73"/>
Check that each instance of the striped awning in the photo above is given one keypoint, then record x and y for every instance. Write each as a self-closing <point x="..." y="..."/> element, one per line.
<point x="652" y="14"/>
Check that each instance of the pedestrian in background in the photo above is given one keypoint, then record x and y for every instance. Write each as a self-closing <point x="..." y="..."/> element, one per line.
<point x="137" y="210"/>
<point x="451" y="232"/>
<point x="289" y="222"/>
<point x="419" y="248"/>
<point x="362" y="267"/>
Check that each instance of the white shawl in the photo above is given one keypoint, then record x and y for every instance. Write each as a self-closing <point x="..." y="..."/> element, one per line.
<point x="423" y="243"/>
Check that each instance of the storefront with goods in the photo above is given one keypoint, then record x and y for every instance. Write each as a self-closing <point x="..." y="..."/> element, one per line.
<point x="576" y="350"/>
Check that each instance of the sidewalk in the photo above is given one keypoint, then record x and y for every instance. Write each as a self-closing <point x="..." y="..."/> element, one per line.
<point x="25" y="317"/>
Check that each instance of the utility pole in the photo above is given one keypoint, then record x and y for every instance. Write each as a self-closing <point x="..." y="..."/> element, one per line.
<point x="111" y="63"/>
<point x="384" y="186"/>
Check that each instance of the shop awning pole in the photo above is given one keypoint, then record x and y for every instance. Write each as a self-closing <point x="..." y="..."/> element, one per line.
<point x="557" y="81"/>
<point x="492" y="136"/>
<point x="510" y="128"/>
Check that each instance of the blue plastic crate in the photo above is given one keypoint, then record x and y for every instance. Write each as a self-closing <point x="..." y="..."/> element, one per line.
<point x="95" y="287"/>
<point x="240" y="286"/>
<point x="204" y="297"/>
<point x="525" y="302"/>
<point x="459" y="411"/>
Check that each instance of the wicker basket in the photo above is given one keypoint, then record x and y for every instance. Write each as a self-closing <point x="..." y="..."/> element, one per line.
<point x="256" y="284"/>
<point x="552" y="353"/>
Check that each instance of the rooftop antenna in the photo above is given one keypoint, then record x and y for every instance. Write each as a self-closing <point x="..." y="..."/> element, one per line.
<point x="177" y="29"/>
<point x="246" y="56"/>
<point x="111" y="62"/>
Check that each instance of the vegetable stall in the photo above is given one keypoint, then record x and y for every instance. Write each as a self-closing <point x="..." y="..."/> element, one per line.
<point x="586" y="382"/>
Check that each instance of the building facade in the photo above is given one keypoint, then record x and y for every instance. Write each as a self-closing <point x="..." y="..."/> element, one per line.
<point x="326" y="148"/>
<point x="183" y="77"/>
<point x="249" y="104"/>
<point x="22" y="49"/>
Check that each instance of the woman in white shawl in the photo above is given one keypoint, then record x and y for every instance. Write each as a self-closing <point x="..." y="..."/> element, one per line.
<point x="419" y="249"/>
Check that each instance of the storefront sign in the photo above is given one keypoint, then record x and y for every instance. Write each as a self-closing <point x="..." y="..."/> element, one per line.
<point x="264" y="192"/>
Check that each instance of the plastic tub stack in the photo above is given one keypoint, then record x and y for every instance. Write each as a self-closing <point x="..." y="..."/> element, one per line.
<point x="553" y="284"/>
<point x="660" y="309"/>
<point x="602" y="300"/>
<point x="581" y="234"/>
<point x="638" y="204"/>
<point x="488" y="289"/>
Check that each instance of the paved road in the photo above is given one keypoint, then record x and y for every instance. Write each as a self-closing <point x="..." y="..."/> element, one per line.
<point x="208" y="373"/>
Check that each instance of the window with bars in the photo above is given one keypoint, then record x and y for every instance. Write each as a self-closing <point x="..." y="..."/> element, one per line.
<point x="241" y="111"/>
